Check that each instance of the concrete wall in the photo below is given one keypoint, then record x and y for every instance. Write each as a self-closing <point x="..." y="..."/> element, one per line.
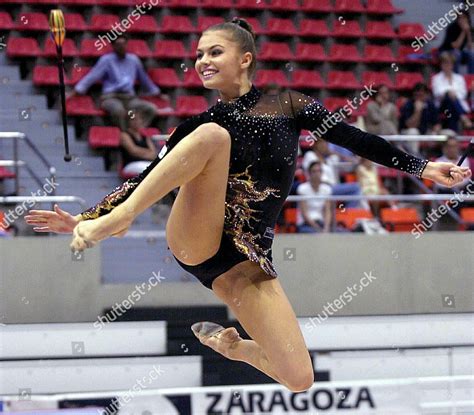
<point x="40" y="281"/>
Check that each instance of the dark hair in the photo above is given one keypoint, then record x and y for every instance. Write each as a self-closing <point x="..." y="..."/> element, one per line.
<point x="243" y="34"/>
<point x="379" y="87"/>
<point x="420" y="86"/>
<point x="313" y="163"/>
<point x="123" y="36"/>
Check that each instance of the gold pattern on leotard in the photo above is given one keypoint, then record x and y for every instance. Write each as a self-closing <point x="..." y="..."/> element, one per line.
<point x="241" y="190"/>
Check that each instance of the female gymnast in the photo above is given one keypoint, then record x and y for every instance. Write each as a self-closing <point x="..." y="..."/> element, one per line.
<point x="234" y="165"/>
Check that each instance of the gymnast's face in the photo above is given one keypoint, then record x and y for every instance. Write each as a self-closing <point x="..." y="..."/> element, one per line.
<point x="219" y="61"/>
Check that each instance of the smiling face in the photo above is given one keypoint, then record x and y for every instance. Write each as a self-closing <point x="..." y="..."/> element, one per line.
<point x="219" y="61"/>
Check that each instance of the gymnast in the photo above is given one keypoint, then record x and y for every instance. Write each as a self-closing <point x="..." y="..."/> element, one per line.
<point x="234" y="165"/>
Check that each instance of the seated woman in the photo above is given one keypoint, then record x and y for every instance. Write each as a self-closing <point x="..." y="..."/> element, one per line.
<point x="382" y="114"/>
<point x="370" y="183"/>
<point x="450" y="92"/>
<point x="137" y="150"/>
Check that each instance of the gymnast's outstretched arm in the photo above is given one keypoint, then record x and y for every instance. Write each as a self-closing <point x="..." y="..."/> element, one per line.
<point x="309" y="114"/>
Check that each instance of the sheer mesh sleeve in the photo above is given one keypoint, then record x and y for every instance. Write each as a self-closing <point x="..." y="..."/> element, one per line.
<point x="309" y="114"/>
<point x="122" y="192"/>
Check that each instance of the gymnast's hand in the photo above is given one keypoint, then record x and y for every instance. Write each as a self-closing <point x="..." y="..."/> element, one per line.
<point x="446" y="174"/>
<point x="57" y="221"/>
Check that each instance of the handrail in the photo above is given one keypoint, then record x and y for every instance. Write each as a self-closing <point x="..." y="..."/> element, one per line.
<point x="52" y="199"/>
<point x="16" y="135"/>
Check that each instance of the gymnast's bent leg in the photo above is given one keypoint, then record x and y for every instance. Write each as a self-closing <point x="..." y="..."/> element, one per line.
<point x="261" y="306"/>
<point x="199" y="165"/>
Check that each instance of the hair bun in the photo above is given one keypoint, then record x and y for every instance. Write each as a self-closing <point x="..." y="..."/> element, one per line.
<point x="244" y="24"/>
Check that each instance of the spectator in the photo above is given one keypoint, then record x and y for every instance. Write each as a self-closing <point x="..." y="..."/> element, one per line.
<point x="458" y="41"/>
<point x="330" y="173"/>
<point x="419" y="115"/>
<point x="370" y="183"/>
<point x="451" y="153"/>
<point x="382" y="114"/>
<point x="137" y="150"/>
<point x="450" y="93"/>
<point x="314" y="215"/>
<point x="118" y="71"/>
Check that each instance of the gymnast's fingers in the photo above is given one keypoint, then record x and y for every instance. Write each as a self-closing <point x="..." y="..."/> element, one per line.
<point x="42" y="229"/>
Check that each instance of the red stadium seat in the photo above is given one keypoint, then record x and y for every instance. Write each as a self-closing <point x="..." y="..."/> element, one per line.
<point x="271" y="76"/>
<point x="409" y="31"/>
<point x="283" y="5"/>
<point x="165" y="77"/>
<point x="249" y="5"/>
<point x="146" y="24"/>
<point x="217" y="4"/>
<point x="89" y="48"/>
<point x="380" y="30"/>
<point x="469" y="78"/>
<point x="316" y="28"/>
<point x="163" y="105"/>
<point x="407" y="55"/>
<point x="82" y="105"/>
<point x="22" y="47"/>
<point x="104" y="137"/>
<point x="342" y="80"/>
<point x="169" y="49"/>
<point x="275" y="51"/>
<point x="310" y="52"/>
<point x="334" y="103"/>
<point x="32" y="21"/>
<point x="181" y="3"/>
<point x="382" y="7"/>
<point x="207" y="21"/>
<point x="45" y="75"/>
<point x="281" y="27"/>
<point x="6" y="22"/>
<point x="467" y="215"/>
<point x="317" y="6"/>
<point x="74" y="22"/>
<point x="103" y="22"/>
<point x="69" y="48"/>
<point x="376" y="54"/>
<point x="5" y="174"/>
<point x="77" y="73"/>
<point x="192" y="79"/>
<point x="399" y="220"/>
<point x="79" y="2"/>
<point x="377" y="78"/>
<point x="307" y="79"/>
<point x="176" y="24"/>
<point x="347" y="28"/>
<point x="344" y="53"/>
<point x="190" y="105"/>
<point x="139" y="48"/>
<point x="192" y="52"/>
<point x="117" y="3"/>
<point x="348" y="217"/>
<point x="407" y="80"/>
<point x="353" y="6"/>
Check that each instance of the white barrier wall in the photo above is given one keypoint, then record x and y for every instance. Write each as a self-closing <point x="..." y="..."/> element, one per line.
<point x="352" y="274"/>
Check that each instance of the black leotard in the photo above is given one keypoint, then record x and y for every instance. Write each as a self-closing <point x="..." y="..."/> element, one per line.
<point x="265" y="132"/>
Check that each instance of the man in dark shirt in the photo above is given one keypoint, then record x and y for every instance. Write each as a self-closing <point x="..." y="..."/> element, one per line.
<point x="458" y="41"/>
<point x="419" y="115"/>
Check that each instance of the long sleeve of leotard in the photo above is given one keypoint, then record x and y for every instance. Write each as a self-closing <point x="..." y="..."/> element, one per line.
<point x="309" y="114"/>
<point x="122" y="192"/>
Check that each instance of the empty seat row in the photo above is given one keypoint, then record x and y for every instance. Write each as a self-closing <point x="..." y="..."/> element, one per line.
<point x="174" y="49"/>
<point x="377" y="7"/>
<point x="183" y="24"/>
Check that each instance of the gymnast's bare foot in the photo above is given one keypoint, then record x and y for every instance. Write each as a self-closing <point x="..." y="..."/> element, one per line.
<point x="220" y="339"/>
<point x="88" y="233"/>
